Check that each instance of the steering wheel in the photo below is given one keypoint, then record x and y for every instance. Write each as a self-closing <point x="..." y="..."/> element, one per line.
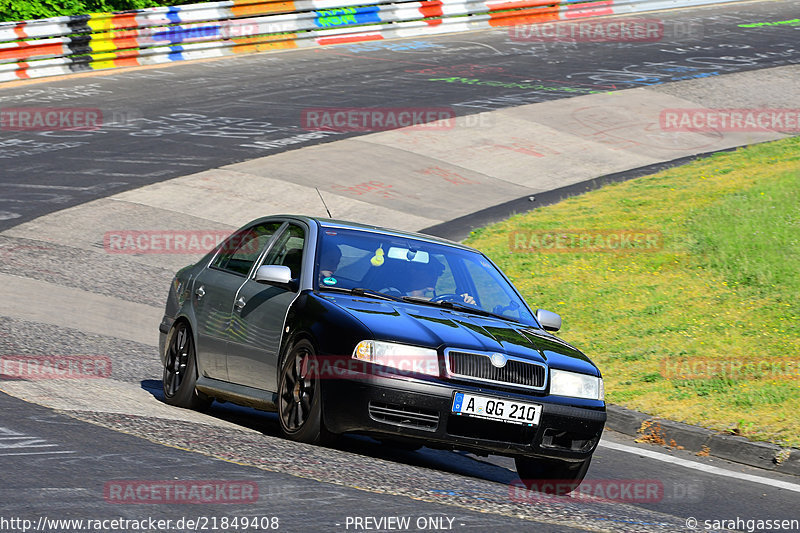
<point x="448" y="297"/>
<point x="392" y="291"/>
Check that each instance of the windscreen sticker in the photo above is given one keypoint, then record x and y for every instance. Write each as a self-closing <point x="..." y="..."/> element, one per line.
<point x="329" y="281"/>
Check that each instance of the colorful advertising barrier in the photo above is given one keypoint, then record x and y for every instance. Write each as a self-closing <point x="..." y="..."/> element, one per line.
<point x="64" y="45"/>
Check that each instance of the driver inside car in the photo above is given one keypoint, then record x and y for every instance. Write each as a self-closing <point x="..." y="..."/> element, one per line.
<point x="423" y="279"/>
<point x="329" y="262"/>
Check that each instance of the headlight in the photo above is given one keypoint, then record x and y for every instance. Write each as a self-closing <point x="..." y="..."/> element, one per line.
<point x="574" y="385"/>
<point x="400" y="356"/>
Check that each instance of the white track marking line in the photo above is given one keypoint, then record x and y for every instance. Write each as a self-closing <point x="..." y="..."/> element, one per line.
<point x="702" y="467"/>
<point x="31" y="453"/>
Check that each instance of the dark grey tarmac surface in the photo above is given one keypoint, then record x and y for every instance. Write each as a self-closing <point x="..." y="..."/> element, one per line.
<point x="58" y="468"/>
<point x="167" y="122"/>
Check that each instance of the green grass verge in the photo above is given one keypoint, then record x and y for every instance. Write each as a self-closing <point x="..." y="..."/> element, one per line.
<point x="14" y="10"/>
<point x="705" y="329"/>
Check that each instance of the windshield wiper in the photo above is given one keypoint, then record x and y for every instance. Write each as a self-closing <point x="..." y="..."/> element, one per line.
<point x="454" y="305"/>
<point x="360" y="291"/>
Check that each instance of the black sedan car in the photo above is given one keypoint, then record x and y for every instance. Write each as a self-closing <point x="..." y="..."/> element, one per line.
<point x="342" y="327"/>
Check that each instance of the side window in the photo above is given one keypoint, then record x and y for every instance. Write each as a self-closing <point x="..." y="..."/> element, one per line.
<point x="241" y="250"/>
<point x="288" y="251"/>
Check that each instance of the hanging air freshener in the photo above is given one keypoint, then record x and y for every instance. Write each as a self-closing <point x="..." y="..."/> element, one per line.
<point x="377" y="259"/>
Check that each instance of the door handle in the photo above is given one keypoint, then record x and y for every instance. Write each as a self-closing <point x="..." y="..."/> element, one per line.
<point x="239" y="304"/>
<point x="200" y="292"/>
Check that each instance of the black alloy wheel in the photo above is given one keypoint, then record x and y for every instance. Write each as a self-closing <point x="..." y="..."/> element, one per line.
<point x="299" y="396"/>
<point x="180" y="371"/>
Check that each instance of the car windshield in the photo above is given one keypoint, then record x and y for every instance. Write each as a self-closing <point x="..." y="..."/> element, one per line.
<point x="415" y="270"/>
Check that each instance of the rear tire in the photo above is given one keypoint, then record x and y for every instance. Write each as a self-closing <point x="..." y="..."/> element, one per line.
<point x="180" y="371"/>
<point x="551" y="476"/>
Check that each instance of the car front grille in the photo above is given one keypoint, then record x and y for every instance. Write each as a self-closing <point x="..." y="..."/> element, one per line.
<point x="516" y="372"/>
<point x="403" y="415"/>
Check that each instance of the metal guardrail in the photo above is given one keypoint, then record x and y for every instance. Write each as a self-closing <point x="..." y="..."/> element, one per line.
<point x="64" y="45"/>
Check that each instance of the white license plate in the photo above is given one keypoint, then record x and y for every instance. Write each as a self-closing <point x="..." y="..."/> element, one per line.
<point x="497" y="409"/>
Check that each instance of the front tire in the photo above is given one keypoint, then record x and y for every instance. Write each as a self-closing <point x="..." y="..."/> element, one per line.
<point x="180" y="371"/>
<point x="300" y="397"/>
<point x="551" y="476"/>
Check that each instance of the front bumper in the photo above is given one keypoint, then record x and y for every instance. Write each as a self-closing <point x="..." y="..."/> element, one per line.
<point x="420" y="410"/>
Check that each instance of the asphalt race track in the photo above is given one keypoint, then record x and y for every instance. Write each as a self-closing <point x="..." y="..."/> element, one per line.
<point x="167" y="122"/>
<point x="210" y="145"/>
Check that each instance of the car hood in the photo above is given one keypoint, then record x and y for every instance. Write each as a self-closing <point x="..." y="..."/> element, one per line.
<point x="426" y="325"/>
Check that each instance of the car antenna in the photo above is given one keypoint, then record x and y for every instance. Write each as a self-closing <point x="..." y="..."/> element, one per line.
<point x="323" y="202"/>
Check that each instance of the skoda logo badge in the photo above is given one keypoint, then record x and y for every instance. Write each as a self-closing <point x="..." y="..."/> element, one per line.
<point x="499" y="360"/>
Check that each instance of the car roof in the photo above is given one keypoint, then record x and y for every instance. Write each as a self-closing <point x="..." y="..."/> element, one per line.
<point x="345" y="224"/>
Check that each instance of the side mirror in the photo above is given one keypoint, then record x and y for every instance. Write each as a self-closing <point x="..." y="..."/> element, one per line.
<point x="549" y="320"/>
<point x="274" y="275"/>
